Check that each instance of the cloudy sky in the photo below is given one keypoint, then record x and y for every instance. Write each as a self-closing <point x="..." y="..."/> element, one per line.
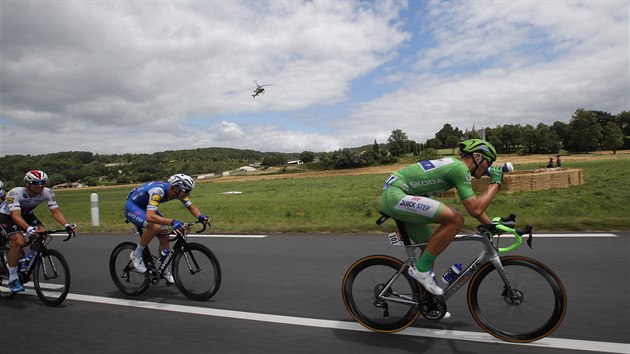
<point x="145" y="76"/>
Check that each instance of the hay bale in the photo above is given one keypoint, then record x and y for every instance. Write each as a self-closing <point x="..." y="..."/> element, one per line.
<point x="529" y="180"/>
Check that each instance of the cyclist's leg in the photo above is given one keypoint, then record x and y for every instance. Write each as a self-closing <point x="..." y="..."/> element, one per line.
<point x="16" y="239"/>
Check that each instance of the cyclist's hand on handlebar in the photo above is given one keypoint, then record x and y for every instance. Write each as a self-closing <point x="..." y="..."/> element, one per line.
<point x="31" y="231"/>
<point x="178" y="227"/>
<point x="72" y="228"/>
<point x="203" y="219"/>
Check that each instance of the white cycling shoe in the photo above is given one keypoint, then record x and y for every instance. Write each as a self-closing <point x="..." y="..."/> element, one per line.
<point x="168" y="277"/>
<point x="427" y="279"/>
<point x="138" y="263"/>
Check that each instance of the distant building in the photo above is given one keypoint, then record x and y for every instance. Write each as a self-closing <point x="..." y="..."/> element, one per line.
<point x="295" y="162"/>
<point x="246" y="169"/>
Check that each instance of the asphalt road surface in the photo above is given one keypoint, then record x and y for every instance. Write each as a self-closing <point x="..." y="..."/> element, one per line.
<point x="281" y="294"/>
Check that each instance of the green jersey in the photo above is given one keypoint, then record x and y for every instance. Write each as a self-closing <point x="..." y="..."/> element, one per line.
<point x="432" y="177"/>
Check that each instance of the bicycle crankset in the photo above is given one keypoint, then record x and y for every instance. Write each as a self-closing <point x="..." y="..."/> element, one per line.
<point x="432" y="307"/>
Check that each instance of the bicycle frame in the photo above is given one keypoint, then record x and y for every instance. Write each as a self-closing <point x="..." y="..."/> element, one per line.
<point x="488" y="254"/>
<point x="179" y="246"/>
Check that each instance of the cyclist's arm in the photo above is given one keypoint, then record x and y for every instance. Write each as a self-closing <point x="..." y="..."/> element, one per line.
<point x="58" y="215"/>
<point x="16" y="215"/>
<point x="154" y="218"/>
<point x="477" y="205"/>
<point x="194" y="210"/>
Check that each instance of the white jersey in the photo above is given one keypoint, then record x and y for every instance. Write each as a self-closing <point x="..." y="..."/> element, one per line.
<point x="18" y="199"/>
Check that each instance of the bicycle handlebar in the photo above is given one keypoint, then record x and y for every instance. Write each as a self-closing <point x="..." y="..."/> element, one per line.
<point x="50" y="232"/>
<point x="506" y="225"/>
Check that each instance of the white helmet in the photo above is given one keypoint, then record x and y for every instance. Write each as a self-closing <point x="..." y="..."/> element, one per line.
<point x="1" y="184"/>
<point x="183" y="181"/>
<point x="36" y="176"/>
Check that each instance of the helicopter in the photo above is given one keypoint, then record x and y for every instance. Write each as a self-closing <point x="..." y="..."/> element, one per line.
<point x="259" y="90"/>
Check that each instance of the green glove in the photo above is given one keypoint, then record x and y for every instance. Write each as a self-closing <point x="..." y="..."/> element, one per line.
<point x="496" y="174"/>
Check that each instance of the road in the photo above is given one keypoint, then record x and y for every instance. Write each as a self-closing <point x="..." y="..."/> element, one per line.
<point x="281" y="294"/>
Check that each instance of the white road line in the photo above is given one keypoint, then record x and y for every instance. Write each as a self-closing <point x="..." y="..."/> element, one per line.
<point x="535" y="235"/>
<point x="571" y="344"/>
<point x="227" y="236"/>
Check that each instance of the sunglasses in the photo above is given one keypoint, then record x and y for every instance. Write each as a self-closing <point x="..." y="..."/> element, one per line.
<point x="38" y="183"/>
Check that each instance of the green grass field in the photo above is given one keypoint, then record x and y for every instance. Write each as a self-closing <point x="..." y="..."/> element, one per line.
<point x="349" y="204"/>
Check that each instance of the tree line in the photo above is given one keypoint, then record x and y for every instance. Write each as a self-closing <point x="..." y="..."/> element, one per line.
<point x="587" y="131"/>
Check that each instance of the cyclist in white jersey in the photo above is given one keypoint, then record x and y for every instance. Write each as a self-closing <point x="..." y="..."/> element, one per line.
<point x="16" y="216"/>
<point x="2" y="193"/>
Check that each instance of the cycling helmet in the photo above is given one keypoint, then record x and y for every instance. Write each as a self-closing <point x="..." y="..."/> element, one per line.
<point x="182" y="181"/>
<point x="480" y="146"/>
<point x="36" y="176"/>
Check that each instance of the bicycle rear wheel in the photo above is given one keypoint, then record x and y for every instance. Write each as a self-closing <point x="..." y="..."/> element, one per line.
<point x="5" y="293"/>
<point x="51" y="278"/>
<point x="125" y="277"/>
<point x="197" y="272"/>
<point x="533" y="311"/>
<point x="365" y="280"/>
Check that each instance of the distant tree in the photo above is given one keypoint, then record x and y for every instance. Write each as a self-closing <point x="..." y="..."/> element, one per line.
<point x="429" y="154"/>
<point x="585" y="132"/>
<point x="447" y="131"/>
<point x="433" y="143"/>
<point x="307" y="156"/>
<point x="563" y="132"/>
<point x="623" y="119"/>
<point x="398" y="143"/>
<point x="612" y="137"/>
<point x="539" y="140"/>
<point x="375" y="147"/>
<point x="452" y="142"/>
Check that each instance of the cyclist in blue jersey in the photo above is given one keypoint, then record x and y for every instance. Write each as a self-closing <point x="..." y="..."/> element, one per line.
<point x="141" y="209"/>
<point x="406" y="198"/>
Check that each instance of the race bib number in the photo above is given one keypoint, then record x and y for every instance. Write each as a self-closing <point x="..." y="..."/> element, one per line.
<point x="395" y="239"/>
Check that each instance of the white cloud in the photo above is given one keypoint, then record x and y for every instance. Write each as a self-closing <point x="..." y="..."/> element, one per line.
<point x="116" y="77"/>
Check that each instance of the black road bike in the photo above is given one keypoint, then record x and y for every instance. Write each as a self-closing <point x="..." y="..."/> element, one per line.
<point x="47" y="272"/>
<point x="514" y="298"/>
<point x="194" y="267"/>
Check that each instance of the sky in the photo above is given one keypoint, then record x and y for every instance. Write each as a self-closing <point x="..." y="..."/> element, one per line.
<point x="115" y="77"/>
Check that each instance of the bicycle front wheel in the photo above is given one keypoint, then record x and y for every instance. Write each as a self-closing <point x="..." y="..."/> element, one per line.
<point x="396" y="309"/>
<point x="533" y="310"/>
<point x="125" y="277"/>
<point x="5" y="293"/>
<point x="197" y="272"/>
<point x="51" y="278"/>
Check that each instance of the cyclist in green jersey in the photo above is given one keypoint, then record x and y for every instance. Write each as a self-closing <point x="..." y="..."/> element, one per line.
<point x="405" y="198"/>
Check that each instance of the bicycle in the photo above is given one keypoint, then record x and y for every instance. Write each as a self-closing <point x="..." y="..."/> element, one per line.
<point x="514" y="298"/>
<point x="195" y="268"/>
<point x="48" y="269"/>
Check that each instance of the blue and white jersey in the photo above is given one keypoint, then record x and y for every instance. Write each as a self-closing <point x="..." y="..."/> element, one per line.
<point x="149" y="195"/>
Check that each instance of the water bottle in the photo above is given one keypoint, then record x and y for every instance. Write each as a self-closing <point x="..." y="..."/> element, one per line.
<point x="23" y="265"/>
<point x="452" y="273"/>
<point x="508" y="167"/>
<point x="163" y="255"/>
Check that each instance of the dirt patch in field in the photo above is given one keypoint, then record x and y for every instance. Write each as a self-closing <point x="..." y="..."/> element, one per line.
<point x="534" y="159"/>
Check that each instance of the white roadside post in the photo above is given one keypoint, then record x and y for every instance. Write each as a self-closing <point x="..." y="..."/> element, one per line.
<point x="94" y="209"/>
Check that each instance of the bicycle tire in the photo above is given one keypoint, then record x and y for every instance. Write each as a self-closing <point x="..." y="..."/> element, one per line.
<point x="5" y="293"/>
<point x="125" y="277"/>
<point x="535" y="312"/>
<point x="51" y="278"/>
<point x="361" y="285"/>
<point x="198" y="276"/>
